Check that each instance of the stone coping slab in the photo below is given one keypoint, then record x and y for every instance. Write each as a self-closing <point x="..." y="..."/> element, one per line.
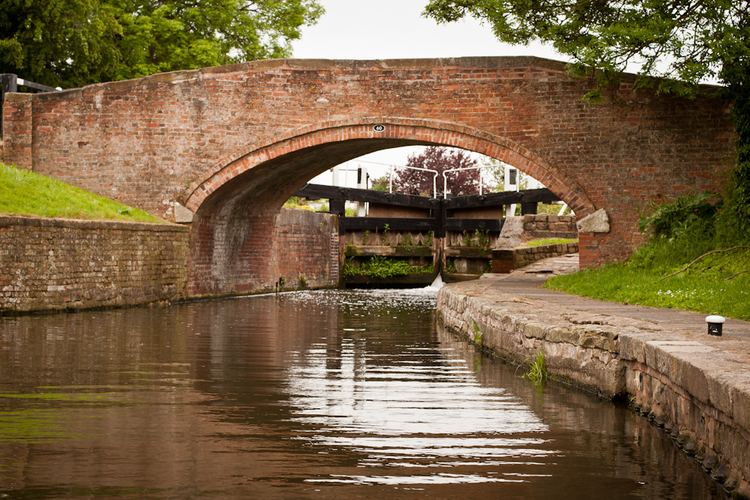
<point x="121" y="225"/>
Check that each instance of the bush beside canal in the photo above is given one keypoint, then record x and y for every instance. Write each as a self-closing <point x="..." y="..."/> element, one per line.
<point x="696" y="259"/>
<point x="23" y="192"/>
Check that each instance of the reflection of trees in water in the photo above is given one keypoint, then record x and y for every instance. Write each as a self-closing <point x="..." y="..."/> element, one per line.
<point x="408" y="407"/>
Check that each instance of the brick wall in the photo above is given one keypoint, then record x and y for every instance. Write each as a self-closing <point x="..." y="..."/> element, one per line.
<point x="306" y="248"/>
<point x="17" y="130"/>
<point x="55" y="264"/>
<point x="251" y="253"/>
<point x="50" y="264"/>
<point x="259" y="131"/>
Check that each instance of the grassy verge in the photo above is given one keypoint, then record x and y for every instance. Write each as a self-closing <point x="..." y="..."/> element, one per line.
<point x="297" y="203"/>
<point x="710" y="286"/>
<point x="23" y="192"/>
<point x="690" y="263"/>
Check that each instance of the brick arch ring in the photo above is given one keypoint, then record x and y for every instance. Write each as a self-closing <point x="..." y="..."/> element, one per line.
<point x="434" y="132"/>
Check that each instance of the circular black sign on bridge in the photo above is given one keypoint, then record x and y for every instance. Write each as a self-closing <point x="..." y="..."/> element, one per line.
<point x="379" y="128"/>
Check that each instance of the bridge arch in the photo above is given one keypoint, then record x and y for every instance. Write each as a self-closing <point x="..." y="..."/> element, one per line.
<point x="344" y="140"/>
<point x="237" y="200"/>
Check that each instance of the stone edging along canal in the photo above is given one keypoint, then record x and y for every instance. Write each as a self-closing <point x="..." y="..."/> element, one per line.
<point x="695" y="386"/>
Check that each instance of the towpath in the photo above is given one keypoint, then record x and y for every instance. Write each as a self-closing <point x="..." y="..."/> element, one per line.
<point x="528" y="281"/>
<point x="695" y="385"/>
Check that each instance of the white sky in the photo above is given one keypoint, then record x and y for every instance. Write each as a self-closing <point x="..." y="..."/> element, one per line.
<point x="396" y="29"/>
<point x="393" y="29"/>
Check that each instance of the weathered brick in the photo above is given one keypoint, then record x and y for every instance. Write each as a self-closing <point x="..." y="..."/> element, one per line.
<point x="85" y="264"/>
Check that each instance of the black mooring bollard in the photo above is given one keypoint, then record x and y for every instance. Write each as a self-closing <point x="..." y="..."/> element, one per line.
<point x="715" y="324"/>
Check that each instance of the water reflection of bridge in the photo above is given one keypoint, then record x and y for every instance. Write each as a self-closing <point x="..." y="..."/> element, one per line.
<point x="206" y="399"/>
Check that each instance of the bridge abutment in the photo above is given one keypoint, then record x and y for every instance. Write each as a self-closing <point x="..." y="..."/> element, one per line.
<point x="245" y="253"/>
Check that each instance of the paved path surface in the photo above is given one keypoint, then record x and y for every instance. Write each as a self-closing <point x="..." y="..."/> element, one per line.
<point x="528" y="282"/>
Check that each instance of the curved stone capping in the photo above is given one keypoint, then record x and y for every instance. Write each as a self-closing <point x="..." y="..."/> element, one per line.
<point x="171" y="77"/>
<point x="521" y="62"/>
<point x="505" y="260"/>
<point x="694" y="386"/>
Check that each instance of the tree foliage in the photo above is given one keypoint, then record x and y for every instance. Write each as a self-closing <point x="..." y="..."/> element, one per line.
<point x="380" y="184"/>
<point x="682" y="42"/>
<point x="75" y="42"/>
<point x="437" y="158"/>
<point x="689" y="40"/>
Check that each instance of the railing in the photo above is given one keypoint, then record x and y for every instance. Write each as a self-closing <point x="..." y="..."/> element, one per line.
<point x="419" y="169"/>
<point x="462" y="169"/>
<point x="11" y="83"/>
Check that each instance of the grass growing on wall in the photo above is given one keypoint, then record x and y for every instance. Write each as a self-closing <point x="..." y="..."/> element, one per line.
<point x="382" y="267"/>
<point x="23" y="192"/>
<point x="537" y="372"/>
<point x="298" y="203"/>
<point x="695" y="260"/>
<point x="550" y="241"/>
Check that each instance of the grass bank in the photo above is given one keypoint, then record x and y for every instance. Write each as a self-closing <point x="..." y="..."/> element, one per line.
<point x="691" y="262"/>
<point x="23" y="192"/>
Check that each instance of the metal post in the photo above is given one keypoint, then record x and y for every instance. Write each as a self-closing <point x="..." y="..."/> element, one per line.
<point x="529" y="208"/>
<point x="441" y="215"/>
<point x="8" y="83"/>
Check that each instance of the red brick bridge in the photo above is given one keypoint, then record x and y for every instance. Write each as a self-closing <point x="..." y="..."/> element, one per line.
<point x="231" y="144"/>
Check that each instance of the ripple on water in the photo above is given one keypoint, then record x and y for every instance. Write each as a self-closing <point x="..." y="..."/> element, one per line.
<point x="334" y="394"/>
<point x="391" y="410"/>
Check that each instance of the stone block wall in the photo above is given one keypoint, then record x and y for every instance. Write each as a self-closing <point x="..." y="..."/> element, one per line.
<point x="56" y="264"/>
<point x="691" y="384"/>
<point x="549" y="226"/>
<point x="506" y="260"/>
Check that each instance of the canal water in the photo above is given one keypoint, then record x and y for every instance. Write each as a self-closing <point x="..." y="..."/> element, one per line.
<point x="334" y="394"/>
